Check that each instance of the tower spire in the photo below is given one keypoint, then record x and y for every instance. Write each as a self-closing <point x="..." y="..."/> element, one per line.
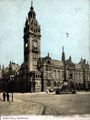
<point x="63" y="49"/>
<point x="63" y="54"/>
<point x="48" y="54"/>
<point x="31" y="3"/>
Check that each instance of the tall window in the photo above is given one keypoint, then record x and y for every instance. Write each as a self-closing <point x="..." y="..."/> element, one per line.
<point x="62" y="74"/>
<point x="55" y="84"/>
<point x="54" y="74"/>
<point x="58" y="74"/>
<point x="48" y="83"/>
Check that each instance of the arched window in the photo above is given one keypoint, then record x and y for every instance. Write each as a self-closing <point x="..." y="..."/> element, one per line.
<point x="55" y="84"/>
<point x="48" y="62"/>
<point x="59" y="83"/>
<point x="71" y="76"/>
<point x="54" y="74"/>
<point x="48" y="83"/>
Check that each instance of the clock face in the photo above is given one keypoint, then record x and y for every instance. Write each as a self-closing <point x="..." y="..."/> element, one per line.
<point x="35" y="44"/>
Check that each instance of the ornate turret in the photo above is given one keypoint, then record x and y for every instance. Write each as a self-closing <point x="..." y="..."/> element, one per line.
<point x="70" y="59"/>
<point x="48" y="55"/>
<point x="32" y="13"/>
<point x="3" y="67"/>
<point x="31" y="40"/>
<point x="31" y="24"/>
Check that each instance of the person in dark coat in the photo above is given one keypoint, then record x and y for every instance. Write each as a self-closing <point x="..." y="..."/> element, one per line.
<point x="7" y="96"/>
<point x="4" y="96"/>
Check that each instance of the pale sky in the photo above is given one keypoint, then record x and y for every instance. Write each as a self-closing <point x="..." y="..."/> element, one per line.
<point x="56" y="18"/>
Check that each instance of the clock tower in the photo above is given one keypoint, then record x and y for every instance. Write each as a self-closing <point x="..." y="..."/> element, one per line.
<point x="31" y="41"/>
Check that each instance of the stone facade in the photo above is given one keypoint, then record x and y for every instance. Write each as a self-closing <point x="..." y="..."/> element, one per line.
<point x="39" y="74"/>
<point x="42" y="74"/>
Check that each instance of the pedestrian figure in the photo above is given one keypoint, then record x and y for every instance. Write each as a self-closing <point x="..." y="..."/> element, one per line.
<point x="7" y="96"/>
<point x="4" y="96"/>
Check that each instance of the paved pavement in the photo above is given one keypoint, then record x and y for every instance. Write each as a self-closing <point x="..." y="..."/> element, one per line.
<point x="19" y="107"/>
<point x="50" y="104"/>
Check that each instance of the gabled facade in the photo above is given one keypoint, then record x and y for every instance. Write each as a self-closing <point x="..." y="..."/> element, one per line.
<point x="39" y="74"/>
<point x="42" y="74"/>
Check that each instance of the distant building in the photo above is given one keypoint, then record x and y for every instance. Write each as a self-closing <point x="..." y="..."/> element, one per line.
<point x="6" y="73"/>
<point x="0" y="72"/>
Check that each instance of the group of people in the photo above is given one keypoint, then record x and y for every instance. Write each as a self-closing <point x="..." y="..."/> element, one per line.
<point x="5" y="96"/>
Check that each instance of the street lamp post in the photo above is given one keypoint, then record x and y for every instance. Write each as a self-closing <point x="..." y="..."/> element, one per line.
<point x="12" y="89"/>
<point x="84" y="79"/>
<point x="12" y="79"/>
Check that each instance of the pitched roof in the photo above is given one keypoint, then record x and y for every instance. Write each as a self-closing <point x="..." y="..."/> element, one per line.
<point x="53" y="62"/>
<point x="78" y="66"/>
<point x="57" y="62"/>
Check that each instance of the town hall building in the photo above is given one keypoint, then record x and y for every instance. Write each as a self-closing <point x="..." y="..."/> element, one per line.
<point x="39" y="74"/>
<point x="42" y="74"/>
